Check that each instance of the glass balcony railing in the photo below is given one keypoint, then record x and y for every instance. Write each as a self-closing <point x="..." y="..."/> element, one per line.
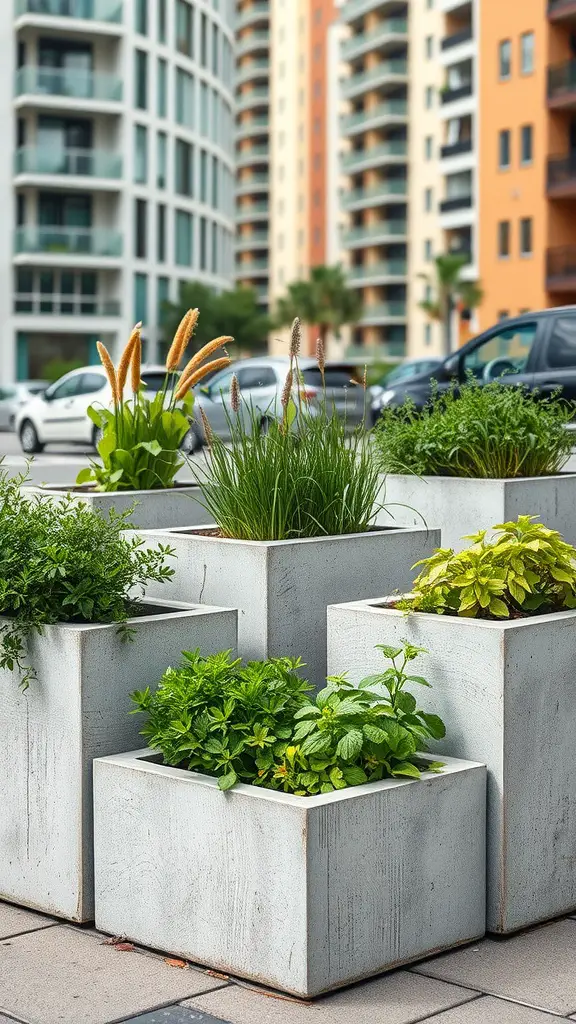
<point x="72" y="241"/>
<point x="381" y="112"/>
<point x="366" y="40"/>
<point x="254" y="13"/>
<point x="253" y="41"/>
<point x="384" y="310"/>
<point x="392" y="187"/>
<point x="38" y="303"/>
<point x="386" y="268"/>
<point x="73" y="83"/>
<point x="248" y="269"/>
<point x="92" y="163"/>
<point x="252" y="240"/>
<point x="252" y="154"/>
<point x="255" y="126"/>
<point x="256" y="182"/>
<point x="374" y="154"/>
<point x="367" y="233"/>
<point x="86" y="10"/>
<point x="257" y="68"/>
<point x="250" y="210"/>
<point x="385" y="69"/>
<point x="354" y="8"/>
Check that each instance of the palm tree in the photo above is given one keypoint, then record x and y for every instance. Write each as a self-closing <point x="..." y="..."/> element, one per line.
<point x="324" y="300"/>
<point x="450" y="290"/>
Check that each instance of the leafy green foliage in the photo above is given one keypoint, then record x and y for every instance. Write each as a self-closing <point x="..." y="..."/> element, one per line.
<point x="323" y="300"/>
<point x="140" y="446"/>
<point x="234" y="312"/>
<point x="62" y="562"/>
<point x="448" y="290"/>
<point x="216" y="716"/>
<point x="56" y="368"/>
<point x="254" y="723"/>
<point x="526" y="569"/>
<point x="495" y="431"/>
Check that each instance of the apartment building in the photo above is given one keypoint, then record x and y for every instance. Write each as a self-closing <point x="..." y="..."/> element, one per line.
<point x="118" y="180"/>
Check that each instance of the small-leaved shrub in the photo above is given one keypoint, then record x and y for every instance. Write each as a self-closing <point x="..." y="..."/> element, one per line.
<point x="526" y="569"/>
<point x="255" y="723"/>
<point x="497" y="431"/>
<point x="60" y="561"/>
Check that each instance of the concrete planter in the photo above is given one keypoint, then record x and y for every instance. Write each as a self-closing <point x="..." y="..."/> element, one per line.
<point x="459" y="506"/>
<point x="507" y="693"/>
<point x="302" y="894"/>
<point x="154" y="510"/>
<point x="78" y="709"/>
<point x="282" y="588"/>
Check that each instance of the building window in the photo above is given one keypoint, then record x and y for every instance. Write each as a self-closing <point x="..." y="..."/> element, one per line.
<point x="161" y="233"/>
<point x="162" y="87"/>
<point x="429" y="97"/>
<point x="427" y="334"/>
<point x="204" y="40"/>
<point x="429" y="47"/>
<point x="428" y="143"/>
<point x="428" y="249"/>
<point x="203" y="176"/>
<point x="204" y="110"/>
<point x="161" y="160"/>
<point x="140" y="228"/>
<point x="141" y="79"/>
<point x="215" y="179"/>
<point x="141" y="12"/>
<point x="526" y="236"/>
<point x="184" y="28"/>
<point x="428" y="200"/>
<point x="162" y="297"/>
<point x="141" y="298"/>
<point x="527" y="53"/>
<point x="203" y="243"/>
<point x="184" y="168"/>
<point x="504" y="59"/>
<point x="214" y="253"/>
<point x="215" y="49"/>
<point x="526" y="144"/>
<point x="184" y="98"/>
<point x="183" y="239"/>
<point x="503" y="238"/>
<point x="161" y="21"/>
<point x="504" y="149"/>
<point x="140" y="154"/>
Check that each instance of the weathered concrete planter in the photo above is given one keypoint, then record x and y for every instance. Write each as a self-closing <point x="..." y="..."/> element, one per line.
<point x="154" y="510"/>
<point x="78" y="709"/>
<point x="507" y="693"/>
<point x="459" y="506"/>
<point x="282" y="588"/>
<point x="302" y="894"/>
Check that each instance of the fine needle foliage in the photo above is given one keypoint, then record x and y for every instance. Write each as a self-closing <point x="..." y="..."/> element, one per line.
<point x="496" y="431"/>
<point x="526" y="569"/>
<point x="141" y="438"/>
<point x="304" y="476"/>
<point x="256" y="724"/>
<point x="60" y="561"/>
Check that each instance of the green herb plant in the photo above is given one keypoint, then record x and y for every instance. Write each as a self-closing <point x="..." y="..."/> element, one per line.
<point x="495" y="431"/>
<point x="62" y="562"/>
<point x="304" y="475"/>
<point x="255" y="723"/>
<point x="526" y="569"/>
<point x="141" y="437"/>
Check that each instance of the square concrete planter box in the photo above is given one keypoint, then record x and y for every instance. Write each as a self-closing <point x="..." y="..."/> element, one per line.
<point x="458" y="506"/>
<point x="507" y="693"/>
<point x="154" y="510"/>
<point x="78" y="709"/>
<point x="282" y="588"/>
<point x="302" y="894"/>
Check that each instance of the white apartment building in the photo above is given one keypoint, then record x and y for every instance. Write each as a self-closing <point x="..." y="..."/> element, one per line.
<point x="117" y="182"/>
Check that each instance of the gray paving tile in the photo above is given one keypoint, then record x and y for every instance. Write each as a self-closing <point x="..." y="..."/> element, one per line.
<point x="15" y="920"/>
<point x="391" y="999"/>
<point x="489" y="1010"/>
<point x="63" y="974"/>
<point x="536" y="967"/>
<point x="174" y="1015"/>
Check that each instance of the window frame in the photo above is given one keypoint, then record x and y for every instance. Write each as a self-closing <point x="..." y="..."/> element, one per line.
<point x="502" y="45"/>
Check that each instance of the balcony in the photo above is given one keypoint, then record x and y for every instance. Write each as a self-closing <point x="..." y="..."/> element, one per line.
<point x="257" y="68"/>
<point x="456" y="149"/>
<point x="255" y="183"/>
<point x="386" y="31"/>
<point x="391" y="189"/>
<point x="254" y="41"/>
<point x="75" y="242"/>
<point x="259" y="154"/>
<point x="360" y="159"/>
<point x="253" y="240"/>
<point x="375" y="273"/>
<point x="561" y="10"/>
<point x="391" y="111"/>
<point x="381" y="312"/>
<point x="561" y="269"/>
<point x="562" y="85"/>
<point x="257" y="12"/>
<point x="386" y="71"/>
<point x="452" y="203"/>
<point x="460" y="93"/>
<point x="252" y="268"/>
<point x="70" y="83"/>
<point x="561" y="177"/>
<point x="456" y="39"/>
<point x="258" y="97"/>
<point x="255" y="126"/>
<point x="106" y="11"/>
<point x="252" y="211"/>
<point x="356" y="8"/>
<point x="38" y="304"/>
<point x="93" y="163"/>
<point x="377" y="233"/>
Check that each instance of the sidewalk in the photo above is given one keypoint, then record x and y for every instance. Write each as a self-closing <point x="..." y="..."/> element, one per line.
<point x="55" y="973"/>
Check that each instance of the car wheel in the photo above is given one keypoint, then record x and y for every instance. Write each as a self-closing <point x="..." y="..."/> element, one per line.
<point x="29" y="439"/>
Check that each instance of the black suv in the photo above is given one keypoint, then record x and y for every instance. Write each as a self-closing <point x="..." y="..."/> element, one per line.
<point x="537" y="350"/>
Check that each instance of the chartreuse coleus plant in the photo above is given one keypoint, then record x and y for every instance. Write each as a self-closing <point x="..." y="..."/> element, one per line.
<point x="526" y="569"/>
<point x="141" y="438"/>
<point x="255" y="723"/>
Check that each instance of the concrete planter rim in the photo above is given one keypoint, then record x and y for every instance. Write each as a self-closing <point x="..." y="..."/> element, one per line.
<point x="195" y="532"/>
<point x="76" y="489"/>
<point x="427" y="477"/>
<point x="379" y="604"/>
<point x="164" y="609"/>
<point x="146" y="760"/>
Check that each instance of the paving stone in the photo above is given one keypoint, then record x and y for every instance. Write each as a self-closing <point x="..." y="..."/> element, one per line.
<point x="78" y="980"/>
<point x="15" y="920"/>
<point x="489" y="1010"/>
<point x="536" y="967"/>
<point x="390" y="999"/>
<point x="174" y="1015"/>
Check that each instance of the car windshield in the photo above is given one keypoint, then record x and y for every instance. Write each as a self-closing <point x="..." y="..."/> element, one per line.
<point x="335" y="377"/>
<point x="406" y="370"/>
<point x="35" y="389"/>
<point x="154" y="380"/>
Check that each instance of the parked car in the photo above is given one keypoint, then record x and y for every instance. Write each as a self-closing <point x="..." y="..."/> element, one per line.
<point x="404" y="371"/>
<point x="14" y="396"/>
<point x="60" y="413"/>
<point x="536" y="350"/>
<point x="261" y="382"/>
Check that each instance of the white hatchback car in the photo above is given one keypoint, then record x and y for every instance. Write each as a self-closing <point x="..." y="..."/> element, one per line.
<point x="60" y="414"/>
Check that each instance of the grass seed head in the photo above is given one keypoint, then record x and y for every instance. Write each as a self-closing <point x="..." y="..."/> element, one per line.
<point x="108" y="365"/>
<point x="295" y="338"/>
<point x="126" y="357"/>
<point x="181" y="339"/>
<point x="235" y="394"/>
<point x="287" y="389"/>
